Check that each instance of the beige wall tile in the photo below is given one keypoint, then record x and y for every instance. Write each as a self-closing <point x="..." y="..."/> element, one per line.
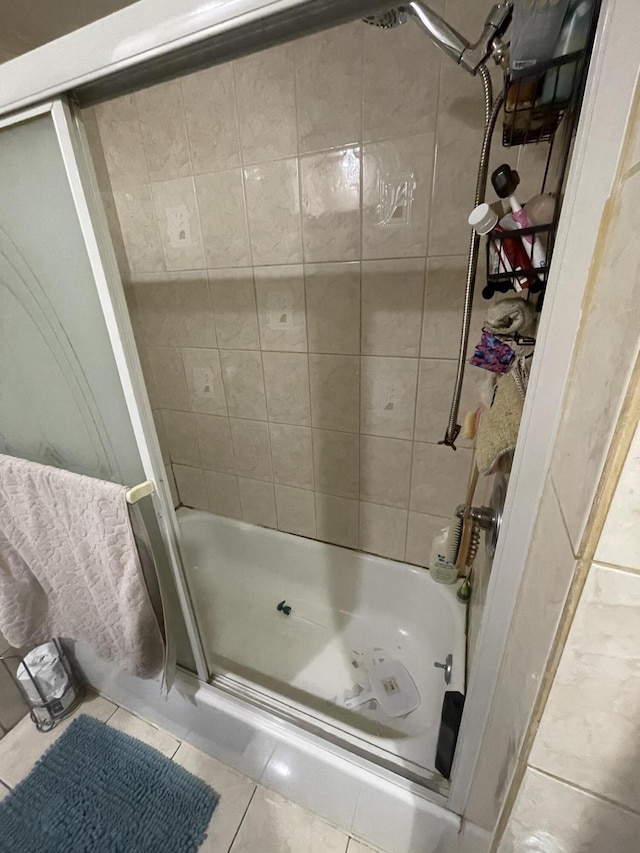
<point x="620" y="538"/>
<point x="333" y="307"/>
<point x="168" y="374"/>
<point x="385" y="470"/>
<point x="234" y="304"/>
<point x="291" y="455"/>
<point x="337" y="520"/>
<point x="550" y="815"/>
<point x="401" y="71"/>
<point x="396" y="188"/>
<point x="329" y="104"/>
<point x="336" y="462"/>
<point x="139" y="228"/>
<point x="286" y="382"/>
<point x="173" y="309"/>
<point x="266" y="104"/>
<point x="273" y="210"/>
<point x="121" y="139"/>
<point x="223" y="494"/>
<point x="392" y="296"/>
<point x="191" y="489"/>
<point x="251" y="449"/>
<point x="164" y="133"/>
<point x="444" y="301"/>
<point x="334" y="391"/>
<point x="180" y="437"/>
<point x="193" y="315"/>
<point x="330" y="184"/>
<point x="547" y="576"/>
<point x="421" y="531"/>
<point x="214" y="440"/>
<point x="589" y="723"/>
<point x="281" y="310"/>
<point x="251" y="179"/>
<point x="388" y="396"/>
<point x="210" y="113"/>
<point x="296" y="511"/>
<point x="204" y="380"/>
<point x="459" y="137"/>
<point x="152" y="297"/>
<point x="435" y="389"/>
<point x="438" y="479"/>
<point x="383" y="530"/>
<point x="258" y="502"/>
<point x="178" y="223"/>
<point x="223" y="219"/>
<point x="243" y="384"/>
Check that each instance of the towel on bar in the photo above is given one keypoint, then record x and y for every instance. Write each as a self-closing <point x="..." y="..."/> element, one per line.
<point x="69" y="566"/>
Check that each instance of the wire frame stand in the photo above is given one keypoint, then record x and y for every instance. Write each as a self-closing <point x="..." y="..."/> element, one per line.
<point x="48" y="712"/>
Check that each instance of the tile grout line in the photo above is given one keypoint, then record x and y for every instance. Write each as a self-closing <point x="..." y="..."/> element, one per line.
<point x="303" y="253"/>
<point x="244" y="814"/>
<point x="571" y="784"/>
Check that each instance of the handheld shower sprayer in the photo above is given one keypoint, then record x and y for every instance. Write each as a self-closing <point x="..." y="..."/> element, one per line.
<point x="469" y="56"/>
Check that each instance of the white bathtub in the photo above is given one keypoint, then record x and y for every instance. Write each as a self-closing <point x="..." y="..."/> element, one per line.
<point x="344" y="605"/>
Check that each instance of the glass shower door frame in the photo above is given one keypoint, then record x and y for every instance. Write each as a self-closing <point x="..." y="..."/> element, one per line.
<point x="74" y="151"/>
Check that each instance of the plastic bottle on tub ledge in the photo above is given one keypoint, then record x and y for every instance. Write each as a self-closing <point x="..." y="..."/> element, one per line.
<point x="442" y="563"/>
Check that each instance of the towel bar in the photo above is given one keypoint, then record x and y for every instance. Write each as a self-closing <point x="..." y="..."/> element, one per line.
<point x="140" y="491"/>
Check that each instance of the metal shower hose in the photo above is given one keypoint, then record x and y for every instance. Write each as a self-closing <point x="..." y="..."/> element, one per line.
<point x="491" y="110"/>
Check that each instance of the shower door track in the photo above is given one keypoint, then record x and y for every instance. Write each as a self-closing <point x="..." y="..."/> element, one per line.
<point x="289" y="713"/>
<point x="151" y="39"/>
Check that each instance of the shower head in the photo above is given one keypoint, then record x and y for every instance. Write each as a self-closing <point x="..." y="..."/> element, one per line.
<point x="470" y="56"/>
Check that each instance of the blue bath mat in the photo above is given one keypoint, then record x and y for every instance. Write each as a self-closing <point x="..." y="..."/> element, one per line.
<point x="97" y="790"/>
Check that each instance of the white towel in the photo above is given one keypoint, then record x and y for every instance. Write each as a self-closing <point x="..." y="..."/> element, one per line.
<point x="69" y="566"/>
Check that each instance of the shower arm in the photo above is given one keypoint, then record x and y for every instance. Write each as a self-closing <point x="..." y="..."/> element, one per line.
<point x="491" y="111"/>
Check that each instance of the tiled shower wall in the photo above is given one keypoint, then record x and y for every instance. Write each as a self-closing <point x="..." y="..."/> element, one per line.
<point x="292" y="234"/>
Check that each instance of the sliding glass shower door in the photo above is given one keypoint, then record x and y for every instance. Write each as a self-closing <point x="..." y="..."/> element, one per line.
<point x="67" y="397"/>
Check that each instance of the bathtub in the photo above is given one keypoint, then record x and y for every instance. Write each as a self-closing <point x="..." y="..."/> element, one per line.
<point x="346" y="609"/>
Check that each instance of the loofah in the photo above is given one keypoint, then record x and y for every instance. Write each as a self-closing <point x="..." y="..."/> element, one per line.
<point x="498" y="429"/>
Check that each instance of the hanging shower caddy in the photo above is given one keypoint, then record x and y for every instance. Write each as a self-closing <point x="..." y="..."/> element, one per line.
<point x="541" y="107"/>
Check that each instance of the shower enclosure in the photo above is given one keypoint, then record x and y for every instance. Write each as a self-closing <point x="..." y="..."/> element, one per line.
<point x="293" y="244"/>
<point x="289" y="228"/>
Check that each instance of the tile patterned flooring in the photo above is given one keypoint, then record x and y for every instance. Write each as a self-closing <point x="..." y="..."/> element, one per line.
<point x="249" y="818"/>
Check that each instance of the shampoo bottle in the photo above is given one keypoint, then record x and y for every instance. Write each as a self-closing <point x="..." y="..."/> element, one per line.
<point x="442" y="570"/>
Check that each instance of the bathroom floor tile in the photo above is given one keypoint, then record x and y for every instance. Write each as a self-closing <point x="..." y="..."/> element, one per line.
<point x="275" y="825"/>
<point x="248" y="819"/>
<point x="147" y="733"/>
<point x="23" y="746"/>
<point x="235" y="793"/>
